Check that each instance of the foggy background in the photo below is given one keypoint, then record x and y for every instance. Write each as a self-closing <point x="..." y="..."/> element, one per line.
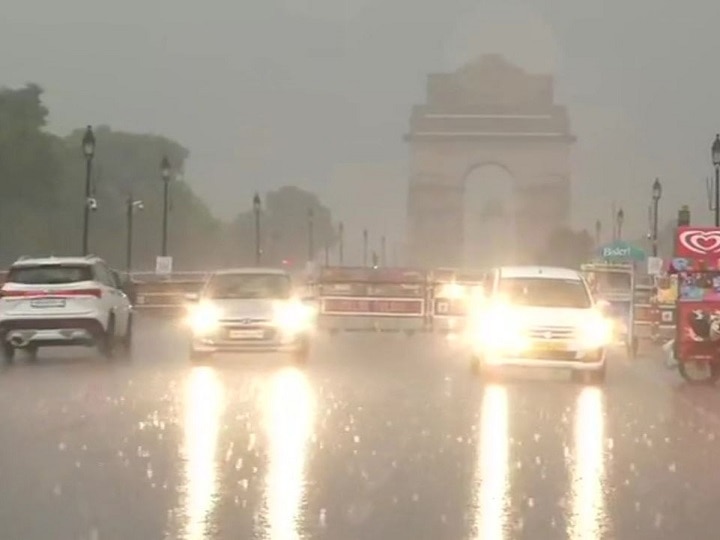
<point x="317" y="93"/>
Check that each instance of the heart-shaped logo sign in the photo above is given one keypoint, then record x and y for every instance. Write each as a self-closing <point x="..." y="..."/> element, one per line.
<point x="702" y="242"/>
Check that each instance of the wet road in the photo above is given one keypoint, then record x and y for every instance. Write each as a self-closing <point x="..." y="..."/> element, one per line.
<point x="379" y="437"/>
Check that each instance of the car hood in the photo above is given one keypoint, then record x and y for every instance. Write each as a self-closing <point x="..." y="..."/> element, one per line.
<point x="237" y="308"/>
<point x="549" y="316"/>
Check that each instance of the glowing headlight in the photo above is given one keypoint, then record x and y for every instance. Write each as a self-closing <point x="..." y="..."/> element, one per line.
<point x="596" y="332"/>
<point x="293" y="316"/>
<point x="452" y="291"/>
<point x="497" y="329"/>
<point x="204" y="318"/>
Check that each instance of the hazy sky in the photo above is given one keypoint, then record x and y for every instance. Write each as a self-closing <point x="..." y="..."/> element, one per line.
<point x="318" y="92"/>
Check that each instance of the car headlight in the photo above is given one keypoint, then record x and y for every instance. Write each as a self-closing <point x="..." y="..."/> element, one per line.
<point x="595" y="332"/>
<point x="498" y="330"/>
<point x="293" y="317"/>
<point x="453" y="291"/>
<point x="204" y="318"/>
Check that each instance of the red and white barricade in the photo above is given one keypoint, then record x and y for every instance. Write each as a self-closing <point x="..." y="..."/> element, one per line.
<point x="372" y="299"/>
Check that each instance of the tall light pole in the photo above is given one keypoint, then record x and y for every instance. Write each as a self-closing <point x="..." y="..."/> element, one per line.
<point x="311" y="234"/>
<point x="132" y="206"/>
<point x="341" y="243"/>
<point x="716" y="162"/>
<point x="165" y="171"/>
<point x="88" y="145"/>
<point x="256" y="211"/>
<point x="598" y="232"/>
<point x="656" y="195"/>
<point x="365" y="247"/>
<point x="620" y="218"/>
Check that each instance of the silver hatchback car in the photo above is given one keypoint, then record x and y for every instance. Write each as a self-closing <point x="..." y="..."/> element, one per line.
<point x="250" y="310"/>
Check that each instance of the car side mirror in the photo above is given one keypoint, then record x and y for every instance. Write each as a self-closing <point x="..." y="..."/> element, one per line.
<point x="602" y="305"/>
<point x="192" y="297"/>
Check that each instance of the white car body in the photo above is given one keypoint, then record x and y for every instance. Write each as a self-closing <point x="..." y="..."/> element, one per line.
<point x="547" y="335"/>
<point x="268" y="324"/>
<point x="35" y="312"/>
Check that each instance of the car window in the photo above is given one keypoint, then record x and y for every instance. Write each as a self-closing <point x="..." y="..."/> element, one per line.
<point x="545" y="292"/>
<point x="248" y="286"/>
<point x="50" y="274"/>
<point x="104" y="275"/>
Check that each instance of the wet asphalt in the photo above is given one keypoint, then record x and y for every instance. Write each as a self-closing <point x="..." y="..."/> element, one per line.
<point x="378" y="437"/>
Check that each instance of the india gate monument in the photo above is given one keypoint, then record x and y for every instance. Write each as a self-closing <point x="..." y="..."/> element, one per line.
<point x="489" y="167"/>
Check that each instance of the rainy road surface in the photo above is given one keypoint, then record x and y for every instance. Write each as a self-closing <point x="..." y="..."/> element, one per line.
<point x="379" y="437"/>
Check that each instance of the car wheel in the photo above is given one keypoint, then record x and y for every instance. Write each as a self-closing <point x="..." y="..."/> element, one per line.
<point x="302" y="354"/>
<point x="32" y="352"/>
<point x="126" y="341"/>
<point x="8" y="353"/>
<point x="106" y="340"/>
<point x="595" y="376"/>
<point x="475" y="365"/>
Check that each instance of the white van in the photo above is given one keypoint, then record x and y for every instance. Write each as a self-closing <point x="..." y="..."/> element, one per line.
<point x="536" y="316"/>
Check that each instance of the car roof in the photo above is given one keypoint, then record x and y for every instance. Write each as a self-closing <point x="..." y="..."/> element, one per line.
<point x="541" y="272"/>
<point x="251" y="270"/>
<point x="41" y="261"/>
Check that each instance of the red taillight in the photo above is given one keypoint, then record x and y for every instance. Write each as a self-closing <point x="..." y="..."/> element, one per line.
<point x="51" y="294"/>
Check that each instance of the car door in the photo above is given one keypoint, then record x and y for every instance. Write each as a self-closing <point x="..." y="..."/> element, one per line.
<point x="115" y="298"/>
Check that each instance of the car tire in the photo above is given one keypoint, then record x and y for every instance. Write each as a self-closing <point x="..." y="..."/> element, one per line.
<point x="475" y="365"/>
<point x="197" y="357"/>
<point x="595" y="376"/>
<point x="32" y="353"/>
<point x="8" y="353"/>
<point x="126" y="341"/>
<point x="106" y="341"/>
<point x="301" y="356"/>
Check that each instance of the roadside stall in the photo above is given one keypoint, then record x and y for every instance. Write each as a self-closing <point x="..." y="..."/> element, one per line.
<point x="697" y="268"/>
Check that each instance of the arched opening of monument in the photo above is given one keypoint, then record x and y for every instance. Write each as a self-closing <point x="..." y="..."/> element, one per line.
<point x="489" y="217"/>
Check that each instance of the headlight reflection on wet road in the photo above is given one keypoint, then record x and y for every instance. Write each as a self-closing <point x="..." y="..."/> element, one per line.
<point x="289" y="420"/>
<point x="203" y="407"/>
<point x="492" y="478"/>
<point x="588" y="518"/>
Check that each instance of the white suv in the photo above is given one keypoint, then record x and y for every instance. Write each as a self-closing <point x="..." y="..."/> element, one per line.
<point x="537" y="316"/>
<point x="56" y="301"/>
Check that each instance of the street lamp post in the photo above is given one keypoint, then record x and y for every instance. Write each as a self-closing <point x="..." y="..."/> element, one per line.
<point x="341" y="243"/>
<point x="716" y="162"/>
<point x="656" y="195"/>
<point x="165" y="170"/>
<point x="620" y="218"/>
<point x="256" y="211"/>
<point x="311" y="234"/>
<point x="365" y="247"/>
<point x="598" y="232"/>
<point x="132" y="205"/>
<point x="88" y="145"/>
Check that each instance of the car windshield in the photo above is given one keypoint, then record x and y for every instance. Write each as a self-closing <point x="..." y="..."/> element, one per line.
<point x="247" y="286"/>
<point x="545" y="292"/>
<point x="50" y="274"/>
<point x="611" y="281"/>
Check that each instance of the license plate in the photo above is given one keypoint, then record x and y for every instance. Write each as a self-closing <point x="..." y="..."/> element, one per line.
<point x="550" y="346"/>
<point x="48" y="303"/>
<point x="246" y="334"/>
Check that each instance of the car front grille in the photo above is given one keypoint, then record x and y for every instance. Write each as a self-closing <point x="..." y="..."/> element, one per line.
<point x="551" y="333"/>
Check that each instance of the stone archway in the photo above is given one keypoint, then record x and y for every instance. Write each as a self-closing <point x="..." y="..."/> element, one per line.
<point x="489" y="216"/>
<point x="488" y="113"/>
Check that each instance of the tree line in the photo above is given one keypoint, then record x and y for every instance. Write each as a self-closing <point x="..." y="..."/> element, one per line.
<point x="43" y="196"/>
